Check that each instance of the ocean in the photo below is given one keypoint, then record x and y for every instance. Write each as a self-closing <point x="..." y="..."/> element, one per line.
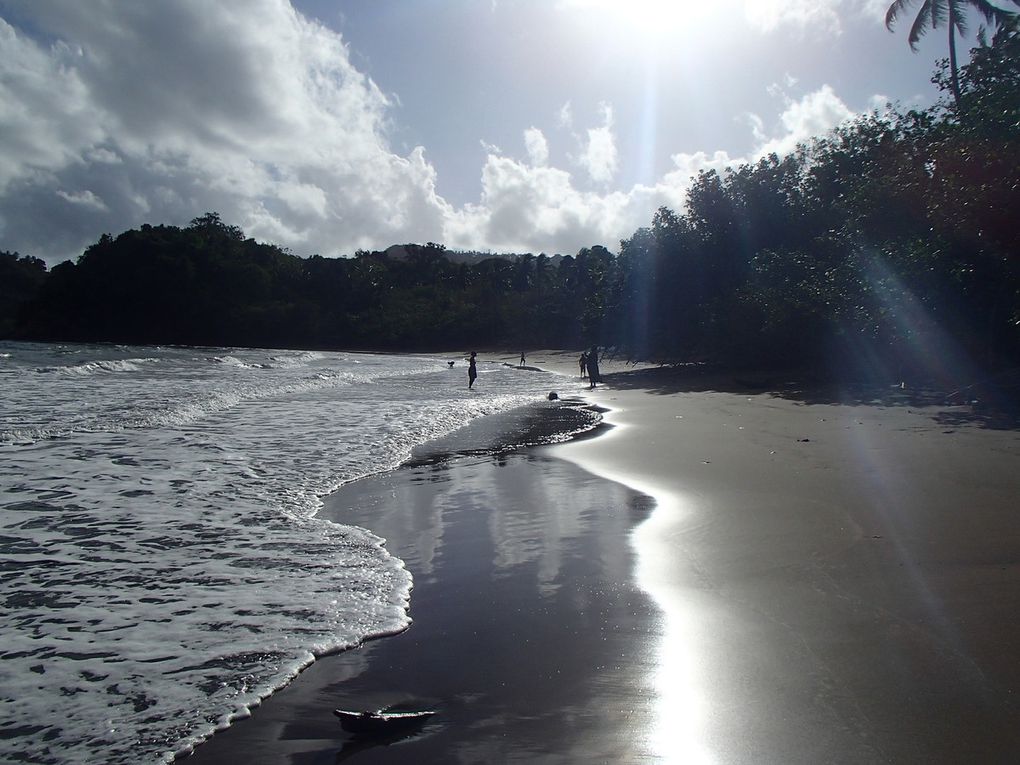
<point x="163" y="565"/>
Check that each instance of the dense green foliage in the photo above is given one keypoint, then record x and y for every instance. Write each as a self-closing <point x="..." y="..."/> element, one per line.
<point x="20" y="279"/>
<point x="889" y="245"/>
<point x="208" y="285"/>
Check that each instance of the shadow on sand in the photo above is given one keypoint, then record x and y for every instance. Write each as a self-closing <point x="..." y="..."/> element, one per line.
<point x="992" y="403"/>
<point x="358" y="743"/>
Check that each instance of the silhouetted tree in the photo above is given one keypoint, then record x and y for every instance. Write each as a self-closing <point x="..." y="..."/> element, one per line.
<point x="21" y="277"/>
<point x="952" y="13"/>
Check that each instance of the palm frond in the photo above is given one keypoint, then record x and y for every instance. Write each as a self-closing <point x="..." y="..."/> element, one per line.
<point x="895" y="10"/>
<point x="920" y="25"/>
<point x="993" y="14"/>
<point x="958" y="15"/>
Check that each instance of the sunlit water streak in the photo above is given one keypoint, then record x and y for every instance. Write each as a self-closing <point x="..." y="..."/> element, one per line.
<point x="677" y="731"/>
<point x="163" y="566"/>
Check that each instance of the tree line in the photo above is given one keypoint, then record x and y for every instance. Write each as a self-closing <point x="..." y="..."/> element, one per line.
<point x="890" y="243"/>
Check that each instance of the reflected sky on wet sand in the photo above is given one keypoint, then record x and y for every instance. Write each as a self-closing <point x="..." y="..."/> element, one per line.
<point x="676" y="730"/>
<point x="677" y="733"/>
<point x="528" y="621"/>
<point x="538" y="634"/>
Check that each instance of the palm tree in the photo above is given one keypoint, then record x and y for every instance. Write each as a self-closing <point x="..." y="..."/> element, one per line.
<point x="952" y="13"/>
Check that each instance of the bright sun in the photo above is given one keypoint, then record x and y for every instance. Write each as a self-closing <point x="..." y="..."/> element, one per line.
<point x="655" y="19"/>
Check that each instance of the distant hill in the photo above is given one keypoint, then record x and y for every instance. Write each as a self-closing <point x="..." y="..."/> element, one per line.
<point x="471" y="257"/>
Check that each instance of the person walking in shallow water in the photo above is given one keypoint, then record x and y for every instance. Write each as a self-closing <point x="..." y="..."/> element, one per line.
<point x="472" y="371"/>
<point x="592" y="364"/>
<point x="522" y="359"/>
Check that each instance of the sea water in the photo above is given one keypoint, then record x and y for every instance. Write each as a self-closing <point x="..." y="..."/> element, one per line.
<point x="163" y="568"/>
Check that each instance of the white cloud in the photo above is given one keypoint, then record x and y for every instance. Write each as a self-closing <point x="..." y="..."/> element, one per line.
<point x="536" y="208"/>
<point x="304" y="198"/>
<point x="671" y="190"/>
<point x="539" y="208"/>
<point x="537" y="146"/>
<point x="173" y="109"/>
<point x="879" y="103"/>
<point x="85" y="198"/>
<point x="768" y="15"/>
<point x="565" y="116"/>
<point x="757" y="125"/>
<point x="813" y="115"/>
<point x="874" y="9"/>
<point x="599" y="157"/>
<point x="103" y="156"/>
<point x="490" y="148"/>
<point x="44" y="114"/>
<point x="778" y="89"/>
<point x="824" y="16"/>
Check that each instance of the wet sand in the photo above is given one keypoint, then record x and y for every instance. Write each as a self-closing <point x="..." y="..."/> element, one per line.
<point x="840" y="569"/>
<point x="529" y="635"/>
<point x="825" y="576"/>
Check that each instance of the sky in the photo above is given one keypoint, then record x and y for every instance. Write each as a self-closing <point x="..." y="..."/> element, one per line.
<point x="327" y="126"/>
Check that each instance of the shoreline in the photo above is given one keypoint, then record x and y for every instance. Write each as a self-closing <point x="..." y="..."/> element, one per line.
<point x="830" y="581"/>
<point x="527" y="428"/>
<point x="841" y="576"/>
<point x="503" y="547"/>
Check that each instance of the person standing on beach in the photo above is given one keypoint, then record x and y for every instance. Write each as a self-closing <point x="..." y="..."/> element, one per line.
<point x="472" y="371"/>
<point x="583" y="363"/>
<point x="593" y="367"/>
<point x="522" y="359"/>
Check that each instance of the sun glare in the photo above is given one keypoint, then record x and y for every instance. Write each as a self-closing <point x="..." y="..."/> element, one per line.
<point x="654" y="19"/>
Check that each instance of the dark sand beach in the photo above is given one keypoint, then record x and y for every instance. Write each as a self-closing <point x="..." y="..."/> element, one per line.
<point x="817" y="578"/>
<point x="529" y="637"/>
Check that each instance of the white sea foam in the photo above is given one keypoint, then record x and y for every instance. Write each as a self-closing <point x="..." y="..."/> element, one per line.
<point x="99" y="366"/>
<point x="162" y="565"/>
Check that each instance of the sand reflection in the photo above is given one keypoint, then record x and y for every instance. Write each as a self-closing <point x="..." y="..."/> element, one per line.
<point x="676" y="732"/>
<point x="529" y="627"/>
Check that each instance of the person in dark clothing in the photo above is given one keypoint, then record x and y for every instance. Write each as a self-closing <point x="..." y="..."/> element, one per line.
<point x="472" y="371"/>
<point x="592" y="363"/>
<point x="583" y="363"/>
<point x="522" y="359"/>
